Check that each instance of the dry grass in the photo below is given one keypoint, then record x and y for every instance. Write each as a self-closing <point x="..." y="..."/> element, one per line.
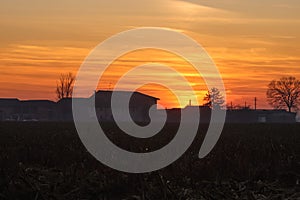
<point x="48" y="161"/>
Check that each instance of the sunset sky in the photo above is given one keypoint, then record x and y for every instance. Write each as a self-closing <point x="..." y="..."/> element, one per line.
<point x="251" y="42"/>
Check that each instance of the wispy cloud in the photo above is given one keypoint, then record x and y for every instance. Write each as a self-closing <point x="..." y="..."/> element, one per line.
<point x="35" y="69"/>
<point x="251" y="42"/>
<point x="255" y="8"/>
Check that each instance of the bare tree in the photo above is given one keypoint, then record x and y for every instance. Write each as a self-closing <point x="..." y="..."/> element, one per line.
<point x="214" y="99"/>
<point x="284" y="93"/>
<point x="64" y="87"/>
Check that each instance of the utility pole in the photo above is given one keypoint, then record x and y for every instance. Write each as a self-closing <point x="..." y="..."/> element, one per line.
<point x="255" y="103"/>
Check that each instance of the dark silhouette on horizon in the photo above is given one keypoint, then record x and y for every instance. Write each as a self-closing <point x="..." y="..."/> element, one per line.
<point x="45" y="110"/>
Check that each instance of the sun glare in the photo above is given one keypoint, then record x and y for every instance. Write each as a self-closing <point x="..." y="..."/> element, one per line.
<point x="141" y="57"/>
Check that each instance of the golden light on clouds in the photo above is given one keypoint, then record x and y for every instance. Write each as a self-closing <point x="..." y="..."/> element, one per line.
<point x="251" y="42"/>
<point x="137" y="58"/>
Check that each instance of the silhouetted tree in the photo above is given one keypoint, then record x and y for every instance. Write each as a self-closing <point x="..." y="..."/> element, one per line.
<point x="64" y="87"/>
<point x="284" y="93"/>
<point x="214" y="99"/>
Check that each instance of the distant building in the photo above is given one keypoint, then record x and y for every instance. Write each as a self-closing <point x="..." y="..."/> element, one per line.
<point x="38" y="110"/>
<point x="238" y="115"/>
<point x="139" y="105"/>
<point x="9" y="109"/>
<point x="260" y="116"/>
<point x="174" y="114"/>
<point x="32" y="110"/>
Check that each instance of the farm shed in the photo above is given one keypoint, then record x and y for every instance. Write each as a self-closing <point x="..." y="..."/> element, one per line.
<point x="139" y="105"/>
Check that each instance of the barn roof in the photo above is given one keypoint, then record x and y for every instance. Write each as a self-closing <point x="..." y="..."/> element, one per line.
<point x="109" y="92"/>
<point x="38" y="102"/>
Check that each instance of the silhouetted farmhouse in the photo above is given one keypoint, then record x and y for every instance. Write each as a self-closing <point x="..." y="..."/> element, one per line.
<point x="139" y="105"/>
